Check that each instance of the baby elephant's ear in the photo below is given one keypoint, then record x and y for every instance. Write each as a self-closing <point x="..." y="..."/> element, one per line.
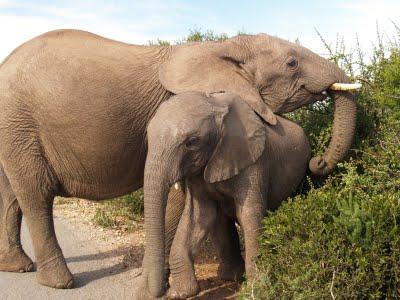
<point x="241" y="141"/>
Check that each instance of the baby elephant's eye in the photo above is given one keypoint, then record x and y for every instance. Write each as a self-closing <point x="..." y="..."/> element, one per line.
<point x="192" y="142"/>
<point x="292" y="63"/>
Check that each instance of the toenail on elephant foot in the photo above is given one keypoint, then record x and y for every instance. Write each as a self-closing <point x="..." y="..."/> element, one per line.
<point x="55" y="273"/>
<point x="142" y="291"/>
<point x="15" y="260"/>
<point x="69" y="285"/>
<point x="181" y="289"/>
<point x="26" y="268"/>
<point x="175" y="294"/>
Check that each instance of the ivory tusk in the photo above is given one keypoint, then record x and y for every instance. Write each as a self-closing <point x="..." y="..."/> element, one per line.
<point x="177" y="185"/>
<point x="345" y="86"/>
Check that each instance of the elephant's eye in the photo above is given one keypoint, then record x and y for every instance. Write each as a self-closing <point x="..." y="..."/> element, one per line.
<point x="292" y="63"/>
<point x="192" y="142"/>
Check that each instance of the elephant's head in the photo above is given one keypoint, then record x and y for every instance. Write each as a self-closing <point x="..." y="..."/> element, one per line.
<point x="192" y="134"/>
<point x="272" y="76"/>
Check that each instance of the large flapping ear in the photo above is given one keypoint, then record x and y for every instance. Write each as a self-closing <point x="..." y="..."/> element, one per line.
<point x="241" y="141"/>
<point x="213" y="67"/>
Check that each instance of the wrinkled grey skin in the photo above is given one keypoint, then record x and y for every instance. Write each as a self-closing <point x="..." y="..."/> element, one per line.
<point x="258" y="69"/>
<point x="75" y="106"/>
<point x="234" y="167"/>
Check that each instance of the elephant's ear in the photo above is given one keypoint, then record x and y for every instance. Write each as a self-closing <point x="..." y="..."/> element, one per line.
<point x="214" y="67"/>
<point x="241" y="142"/>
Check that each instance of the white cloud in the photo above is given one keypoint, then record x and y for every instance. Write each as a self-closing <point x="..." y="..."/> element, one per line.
<point x="141" y="21"/>
<point x="360" y="19"/>
<point x="18" y="29"/>
<point x="28" y="20"/>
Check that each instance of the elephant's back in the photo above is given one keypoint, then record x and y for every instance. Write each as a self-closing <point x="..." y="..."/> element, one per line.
<point x="58" y="40"/>
<point x="287" y="153"/>
<point x="287" y="137"/>
<point x="70" y="57"/>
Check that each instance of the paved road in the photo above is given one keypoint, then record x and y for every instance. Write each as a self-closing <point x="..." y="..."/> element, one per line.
<point x="98" y="274"/>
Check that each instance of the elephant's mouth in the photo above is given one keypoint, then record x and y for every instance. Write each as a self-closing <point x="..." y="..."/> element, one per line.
<point x="315" y="97"/>
<point x="318" y="94"/>
<point x="301" y="97"/>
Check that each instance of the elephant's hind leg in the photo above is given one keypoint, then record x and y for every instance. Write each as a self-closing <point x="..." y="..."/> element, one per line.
<point x="37" y="206"/>
<point x="227" y="244"/>
<point x="12" y="256"/>
<point x="35" y="186"/>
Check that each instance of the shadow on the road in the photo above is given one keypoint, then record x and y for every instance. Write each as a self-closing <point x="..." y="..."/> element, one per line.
<point x="107" y="254"/>
<point x="131" y="258"/>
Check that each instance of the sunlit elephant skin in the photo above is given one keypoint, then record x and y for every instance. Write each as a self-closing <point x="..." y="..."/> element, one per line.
<point x="75" y="107"/>
<point x="249" y="59"/>
<point x="234" y="167"/>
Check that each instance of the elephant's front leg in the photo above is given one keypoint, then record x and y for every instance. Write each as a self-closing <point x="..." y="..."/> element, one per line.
<point x="174" y="210"/>
<point x="198" y="217"/>
<point x="250" y="212"/>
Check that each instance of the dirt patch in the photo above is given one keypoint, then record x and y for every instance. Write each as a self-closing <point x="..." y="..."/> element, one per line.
<point x="120" y="241"/>
<point x="211" y="287"/>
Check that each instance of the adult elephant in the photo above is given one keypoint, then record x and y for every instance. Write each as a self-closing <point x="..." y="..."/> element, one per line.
<point x="74" y="111"/>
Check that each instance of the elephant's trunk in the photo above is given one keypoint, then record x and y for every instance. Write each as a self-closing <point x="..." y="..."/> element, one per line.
<point x="342" y="135"/>
<point x="155" y="195"/>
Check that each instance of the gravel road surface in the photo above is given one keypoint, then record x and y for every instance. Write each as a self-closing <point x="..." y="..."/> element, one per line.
<point x="98" y="274"/>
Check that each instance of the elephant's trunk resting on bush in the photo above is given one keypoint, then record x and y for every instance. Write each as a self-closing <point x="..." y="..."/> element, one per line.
<point x="74" y="108"/>
<point x="342" y="136"/>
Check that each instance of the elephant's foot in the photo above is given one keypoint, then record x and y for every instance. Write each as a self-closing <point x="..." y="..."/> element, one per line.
<point x="55" y="273"/>
<point x="183" y="286"/>
<point x="231" y="271"/>
<point x="15" y="260"/>
<point x="141" y="291"/>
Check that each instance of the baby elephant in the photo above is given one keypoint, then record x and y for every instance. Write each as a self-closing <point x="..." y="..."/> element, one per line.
<point x="233" y="167"/>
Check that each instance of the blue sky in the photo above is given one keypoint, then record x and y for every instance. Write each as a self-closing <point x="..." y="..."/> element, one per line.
<point x="141" y="21"/>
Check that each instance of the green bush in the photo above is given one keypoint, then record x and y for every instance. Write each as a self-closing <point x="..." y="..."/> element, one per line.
<point x="197" y="35"/>
<point x="342" y="240"/>
<point x="124" y="211"/>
